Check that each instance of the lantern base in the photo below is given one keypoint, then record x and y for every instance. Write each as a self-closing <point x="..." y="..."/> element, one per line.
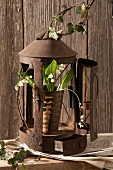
<point x="71" y="143"/>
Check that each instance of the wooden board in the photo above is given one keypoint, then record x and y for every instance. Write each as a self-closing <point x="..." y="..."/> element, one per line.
<point x="11" y="42"/>
<point x="100" y="45"/>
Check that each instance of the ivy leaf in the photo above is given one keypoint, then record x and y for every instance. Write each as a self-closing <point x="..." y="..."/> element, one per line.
<point x="83" y="8"/>
<point x="71" y="28"/>
<point x="52" y="33"/>
<point x="2" y="144"/>
<point x="84" y="29"/>
<point x="79" y="10"/>
<point x="13" y="162"/>
<point x="22" y="155"/>
<point x="81" y="28"/>
<point x="18" y="157"/>
<point x="3" y="153"/>
<point x="58" y="18"/>
<point x="52" y="29"/>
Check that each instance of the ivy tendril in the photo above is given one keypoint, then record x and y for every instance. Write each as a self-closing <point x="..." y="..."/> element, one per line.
<point x="81" y="10"/>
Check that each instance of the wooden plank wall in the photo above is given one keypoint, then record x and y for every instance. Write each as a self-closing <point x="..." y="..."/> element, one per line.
<point x="100" y="49"/>
<point x="20" y="21"/>
<point x="11" y="42"/>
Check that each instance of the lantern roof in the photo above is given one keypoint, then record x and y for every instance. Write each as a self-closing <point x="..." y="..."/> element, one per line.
<point x="44" y="47"/>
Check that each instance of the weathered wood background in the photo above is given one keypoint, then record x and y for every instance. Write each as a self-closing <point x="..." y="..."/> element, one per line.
<point x="21" y="20"/>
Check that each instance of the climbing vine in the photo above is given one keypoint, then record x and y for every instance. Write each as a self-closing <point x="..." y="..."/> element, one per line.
<point x="82" y="9"/>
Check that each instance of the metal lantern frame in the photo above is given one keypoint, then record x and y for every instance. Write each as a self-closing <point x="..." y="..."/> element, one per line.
<point x="42" y="51"/>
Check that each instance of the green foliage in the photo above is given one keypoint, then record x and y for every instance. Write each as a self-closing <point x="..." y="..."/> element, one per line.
<point x="51" y="69"/>
<point x="81" y="10"/>
<point x="26" y="78"/>
<point x="57" y="18"/>
<point x="78" y="10"/>
<point x="68" y="76"/>
<point x="3" y="153"/>
<point x="80" y="28"/>
<point x="49" y="75"/>
<point x="52" y="33"/>
<point x="71" y="28"/>
<point x="17" y="158"/>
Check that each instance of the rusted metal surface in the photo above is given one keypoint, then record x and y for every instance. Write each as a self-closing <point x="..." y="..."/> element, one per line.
<point x="93" y="109"/>
<point x="27" y="138"/>
<point x="73" y="145"/>
<point x="27" y="60"/>
<point x="49" y="140"/>
<point x="79" y="67"/>
<point x="35" y="137"/>
<point x="49" y="49"/>
<point x="50" y="122"/>
<point x="38" y="115"/>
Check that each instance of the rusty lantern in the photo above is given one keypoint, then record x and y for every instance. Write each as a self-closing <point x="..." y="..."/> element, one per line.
<point x="42" y="51"/>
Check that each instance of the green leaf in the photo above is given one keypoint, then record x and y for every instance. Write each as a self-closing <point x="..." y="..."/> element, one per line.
<point x="18" y="157"/>
<point x="68" y="76"/>
<point x="71" y="28"/>
<point x="26" y="77"/>
<point x="84" y="29"/>
<point x="53" y="35"/>
<point x="57" y="18"/>
<point x="3" y="153"/>
<point x="79" y="10"/>
<point x="81" y="28"/>
<point x="13" y="162"/>
<point x="52" y="29"/>
<point x="2" y="144"/>
<point x="51" y="69"/>
<point x="22" y="155"/>
<point x="83" y="8"/>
